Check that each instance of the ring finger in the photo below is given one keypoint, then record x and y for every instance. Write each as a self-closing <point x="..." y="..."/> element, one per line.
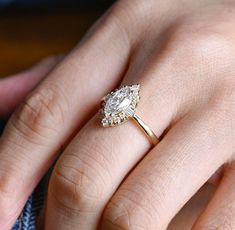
<point x="98" y="159"/>
<point x="93" y="166"/>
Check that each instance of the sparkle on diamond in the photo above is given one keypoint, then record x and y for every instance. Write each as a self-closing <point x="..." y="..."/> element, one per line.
<point x="119" y="101"/>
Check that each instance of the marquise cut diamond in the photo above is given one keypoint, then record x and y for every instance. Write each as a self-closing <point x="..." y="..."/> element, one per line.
<point x="119" y="101"/>
<point x="120" y="105"/>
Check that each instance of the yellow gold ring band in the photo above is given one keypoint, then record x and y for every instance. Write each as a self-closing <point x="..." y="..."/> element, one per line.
<point x="120" y="105"/>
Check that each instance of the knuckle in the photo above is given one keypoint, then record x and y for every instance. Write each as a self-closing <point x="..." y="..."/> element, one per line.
<point x="203" y="42"/>
<point x="117" y="216"/>
<point x="126" y="211"/>
<point x="40" y="113"/>
<point x="78" y="187"/>
<point x="139" y="20"/>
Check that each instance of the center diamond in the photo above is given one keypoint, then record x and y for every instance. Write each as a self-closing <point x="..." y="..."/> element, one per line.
<point x="119" y="105"/>
<point x="119" y="101"/>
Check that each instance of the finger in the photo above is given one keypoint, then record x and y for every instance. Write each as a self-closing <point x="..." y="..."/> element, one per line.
<point x="14" y="88"/>
<point x="187" y="216"/>
<point x="56" y="109"/>
<point x="219" y="213"/>
<point x="95" y="163"/>
<point x="89" y="172"/>
<point x="98" y="159"/>
<point x="170" y="174"/>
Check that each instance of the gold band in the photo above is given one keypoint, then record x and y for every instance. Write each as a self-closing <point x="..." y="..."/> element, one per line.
<point x="120" y="105"/>
<point x="151" y="135"/>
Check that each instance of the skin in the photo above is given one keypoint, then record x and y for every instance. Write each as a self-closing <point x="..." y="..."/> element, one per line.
<point x="14" y="88"/>
<point x="22" y="83"/>
<point x="182" y="54"/>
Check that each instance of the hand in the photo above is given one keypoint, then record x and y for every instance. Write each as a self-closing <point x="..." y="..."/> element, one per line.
<point x="13" y="89"/>
<point x="182" y="54"/>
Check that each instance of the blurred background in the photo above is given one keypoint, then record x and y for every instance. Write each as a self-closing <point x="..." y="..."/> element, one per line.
<point x="33" y="29"/>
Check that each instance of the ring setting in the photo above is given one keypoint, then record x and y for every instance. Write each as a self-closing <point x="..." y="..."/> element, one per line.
<point x="120" y="105"/>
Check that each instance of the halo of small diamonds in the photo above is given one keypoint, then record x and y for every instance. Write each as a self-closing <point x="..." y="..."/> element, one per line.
<point x="119" y="105"/>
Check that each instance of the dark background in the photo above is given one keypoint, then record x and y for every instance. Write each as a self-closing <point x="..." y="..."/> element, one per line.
<point x="33" y="29"/>
<point x="54" y="3"/>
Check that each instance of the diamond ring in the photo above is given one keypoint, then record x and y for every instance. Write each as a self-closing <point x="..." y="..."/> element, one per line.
<point x="120" y="105"/>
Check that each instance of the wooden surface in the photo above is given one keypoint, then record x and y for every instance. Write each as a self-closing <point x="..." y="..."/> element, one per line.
<point x="26" y="37"/>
